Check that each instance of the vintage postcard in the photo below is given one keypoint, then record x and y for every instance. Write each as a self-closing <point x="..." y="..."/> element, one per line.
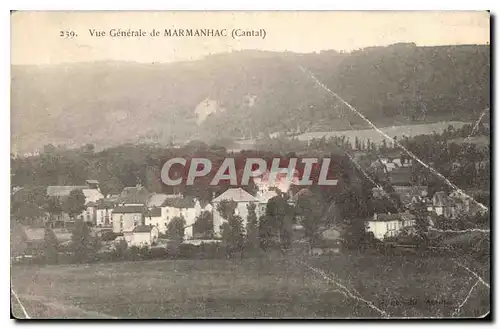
<point x="250" y="165"/>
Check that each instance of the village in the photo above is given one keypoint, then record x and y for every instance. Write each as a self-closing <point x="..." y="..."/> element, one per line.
<point x="141" y="218"/>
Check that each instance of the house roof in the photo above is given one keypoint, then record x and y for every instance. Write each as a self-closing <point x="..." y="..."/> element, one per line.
<point x="391" y="217"/>
<point x="179" y="202"/>
<point x="128" y="210"/>
<point x="113" y="197"/>
<point x="38" y="234"/>
<point x="92" y="181"/>
<point x="156" y="199"/>
<point x="134" y="195"/>
<point x="413" y="190"/>
<point x="143" y="229"/>
<point x="62" y="191"/>
<point x="441" y="199"/>
<point x="407" y="193"/>
<point x="237" y="195"/>
<point x="332" y="233"/>
<point x="153" y="212"/>
<point x="266" y="196"/>
<point x="105" y="204"/>
<point x="92" y="194"/>
<point x="386" y="217"/>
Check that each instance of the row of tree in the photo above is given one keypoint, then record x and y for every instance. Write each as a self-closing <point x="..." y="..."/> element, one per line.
<point x="32" y="203"/>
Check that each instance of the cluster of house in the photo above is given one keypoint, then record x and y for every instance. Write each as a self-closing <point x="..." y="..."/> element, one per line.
<point x="450" y="206"/>
<point x="141" y="217"/>
<point x="398" y="168"/>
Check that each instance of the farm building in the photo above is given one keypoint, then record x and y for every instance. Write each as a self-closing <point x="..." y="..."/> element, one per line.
<point x="388" y="225"/>
<point x="143" y="235"/>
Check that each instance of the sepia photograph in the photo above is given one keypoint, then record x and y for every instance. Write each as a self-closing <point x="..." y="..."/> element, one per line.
<point x="250" y="165"/>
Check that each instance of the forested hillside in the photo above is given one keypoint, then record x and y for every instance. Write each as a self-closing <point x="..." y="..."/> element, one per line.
<point x="242" y="94"/>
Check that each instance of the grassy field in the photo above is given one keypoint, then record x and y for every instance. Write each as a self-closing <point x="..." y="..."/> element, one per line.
<point x="251" y="288"/>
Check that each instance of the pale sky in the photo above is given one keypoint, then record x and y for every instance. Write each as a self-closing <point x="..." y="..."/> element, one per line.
<point x="35" y="36"/>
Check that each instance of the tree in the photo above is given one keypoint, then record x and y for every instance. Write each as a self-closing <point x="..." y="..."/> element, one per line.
<point x="384" y="145"/>
<point x="281" y="224"/>
<point x="50" y="246"/>
<point x="175" y="229"/>
<point x="204" y="225"/>
<point x="309" y="211"/>
<point x="356" y="234"/>
<point x="53" y="206"/>
<point x="252" y="227"/>
<point x="18" y="239"/>
<point x="74" y="204"/>
<point x="421" y="224"/>
<point x="232" y="230"/>
<point x="27" y="204"/>
<point x="81" y="241"/>
<point x="88" y="148"/>
<point x="120" y="249"/>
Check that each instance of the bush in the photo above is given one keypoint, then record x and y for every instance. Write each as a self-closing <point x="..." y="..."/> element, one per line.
<point x="211" y="251"/>
<point x="158" y="253"/>
<point x="188" y="251"/>
<point x="109" y="236"/>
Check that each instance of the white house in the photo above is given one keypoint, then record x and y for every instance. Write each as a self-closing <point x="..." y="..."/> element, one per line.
<point x="153" y="216"/>
<point x="452" y="205"/>
<point x="104" y="213"/>
<point x="410" y="195"/>
<point x="388" y="225"/>
<point x="91" y="192"/>
<point x="463" y="204"/>
<point x="392" y="161"/>
<point x="162" y="208"/>
<point x="156" y="214"/>
<point x="141" y="236"/>
<point x="442" y="205"/>
<point x="126" y="218"/>
<point x="89" y="214"/>
<point x="242" y="199"/>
